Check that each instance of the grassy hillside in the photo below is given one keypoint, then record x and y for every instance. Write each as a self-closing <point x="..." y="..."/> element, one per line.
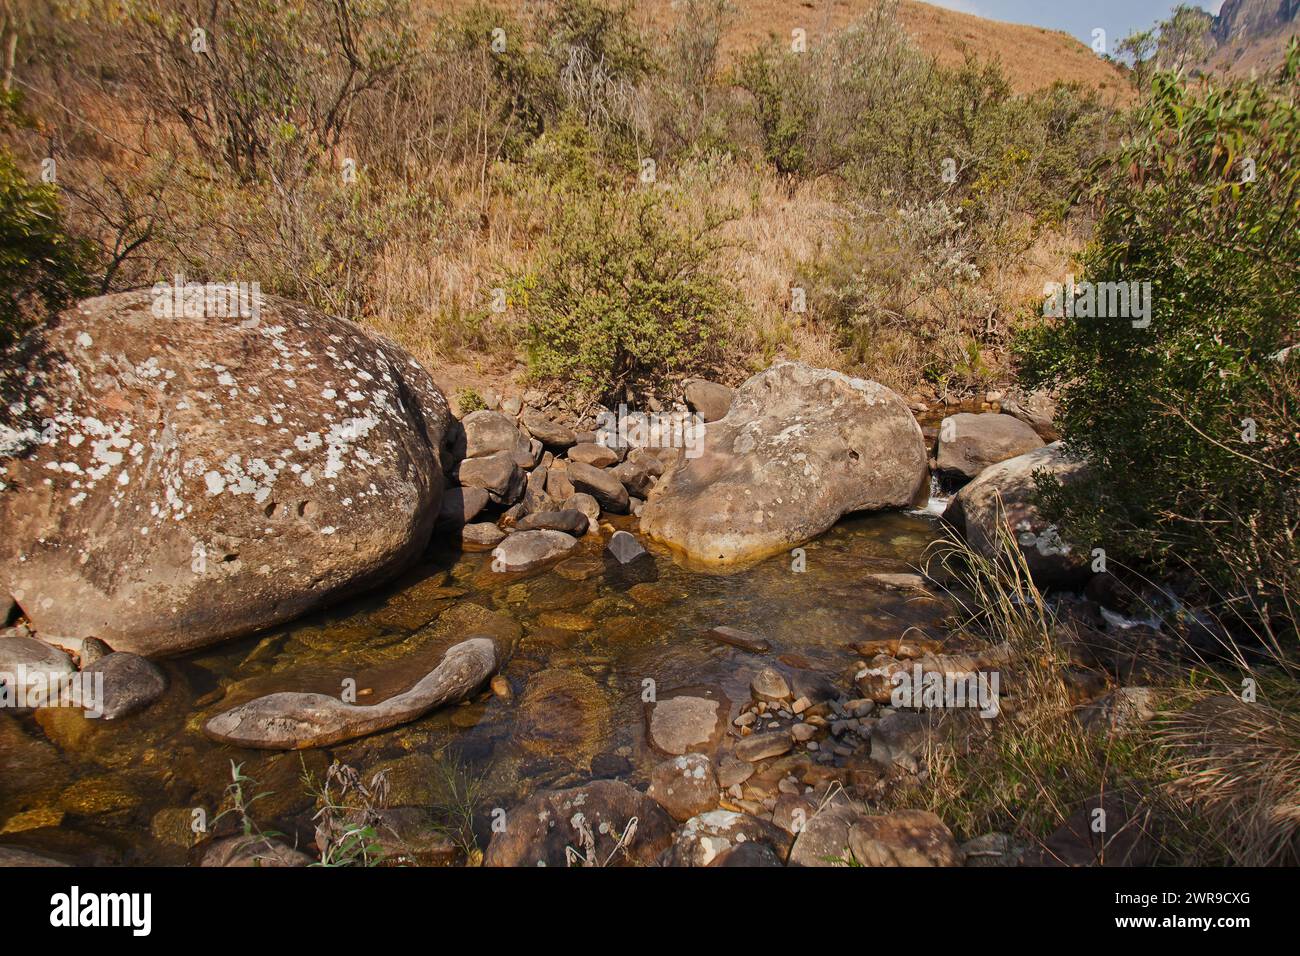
<point x="1033" y="57"/>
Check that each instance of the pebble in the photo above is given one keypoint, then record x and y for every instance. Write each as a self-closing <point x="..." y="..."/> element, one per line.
<point x="769" y="685"/>
<point x="760" y="746"/>
<point x="738" y="638"/>
<point x="803" y="732"/>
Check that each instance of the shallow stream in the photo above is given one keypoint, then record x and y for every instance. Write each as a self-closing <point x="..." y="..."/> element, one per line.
<point x="590" y="635"/>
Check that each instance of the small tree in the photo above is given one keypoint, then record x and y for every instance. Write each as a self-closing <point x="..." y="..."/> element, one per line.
<point x="42" y="267"/>
<point x="621" y="295"/>
<point x="1192" y="422"/>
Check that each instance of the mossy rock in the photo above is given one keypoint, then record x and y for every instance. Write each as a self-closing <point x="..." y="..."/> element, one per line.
<point x="99" y="796"/>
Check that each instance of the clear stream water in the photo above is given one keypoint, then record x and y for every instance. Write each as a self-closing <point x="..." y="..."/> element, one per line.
<point x="590" y="636"/>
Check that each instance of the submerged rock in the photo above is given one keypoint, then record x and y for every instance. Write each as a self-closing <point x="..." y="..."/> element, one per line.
<point x="679" y="724"/>
<point x="563" y="713"/>
<point x="253" y="851"/>
<point x="290" y="721"/>
<point x="175" y="481"/>
<point x="131" y="683"/>
<point x="624" y="547"/>
<point x="799" y="448"/>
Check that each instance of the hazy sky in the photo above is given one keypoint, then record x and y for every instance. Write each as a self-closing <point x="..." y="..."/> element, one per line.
<point x="1118" y="18"/>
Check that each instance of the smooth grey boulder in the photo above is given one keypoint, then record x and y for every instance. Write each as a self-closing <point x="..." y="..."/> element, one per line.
<point x="526" y="550"/>
<point x="41" y="663"/>
<point x="497" y="474"/>
<point x="489" y="433"/>
<point x="585" y="503"/>
<point x="131" y="683"/>
<point x="481" y="536"/>
<point x="596" y="455"/>
<point x="1003" y="495"/>
<point x="549" y="433"/>
<point x="639" y="472"/>
<point x="460" y="506"/>
<point x="709" y="400"/>
<point x="970" y="443"/>
<point x="570" y="522"/>
<point x="624" y="546"/>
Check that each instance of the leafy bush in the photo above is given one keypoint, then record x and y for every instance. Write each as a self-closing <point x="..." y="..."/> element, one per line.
<point x="623" y="293"/>
<point x="822" y="109"/>
<point x="1192" y="423"/>
<point x="469" y="400"/>
<point x="42" y="268"/>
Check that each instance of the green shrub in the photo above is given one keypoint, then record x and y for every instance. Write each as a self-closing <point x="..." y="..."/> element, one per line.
<point x="622" y="293"/>
<point x="42" y="268"/>
<point x="1193" y="422"/>
<point x="469" y="400"/>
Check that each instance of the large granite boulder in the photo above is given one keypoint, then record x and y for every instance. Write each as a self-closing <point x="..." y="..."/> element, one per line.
<point x="799" y="448"/>
<point x="970" y="443"/>
<point x="1005" y="492"/>
<point x="172" y="481"/>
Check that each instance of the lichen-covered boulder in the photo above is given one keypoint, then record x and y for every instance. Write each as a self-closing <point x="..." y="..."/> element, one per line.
<point x="172" y="481"/>
<point x="798" y="448"/>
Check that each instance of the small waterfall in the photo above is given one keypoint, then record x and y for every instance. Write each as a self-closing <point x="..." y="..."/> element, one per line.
<point x="938" y="500"/>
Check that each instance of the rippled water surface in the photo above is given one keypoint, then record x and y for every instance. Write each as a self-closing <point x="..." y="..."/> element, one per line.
<point x="583" y="638"/>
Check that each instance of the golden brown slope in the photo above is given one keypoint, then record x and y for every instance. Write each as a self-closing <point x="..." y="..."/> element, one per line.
<point x="1033" y="57"/>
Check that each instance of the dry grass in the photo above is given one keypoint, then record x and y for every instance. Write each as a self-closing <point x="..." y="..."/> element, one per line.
<point x="1215" y="778"/>
<point x="1237" y="765"/>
